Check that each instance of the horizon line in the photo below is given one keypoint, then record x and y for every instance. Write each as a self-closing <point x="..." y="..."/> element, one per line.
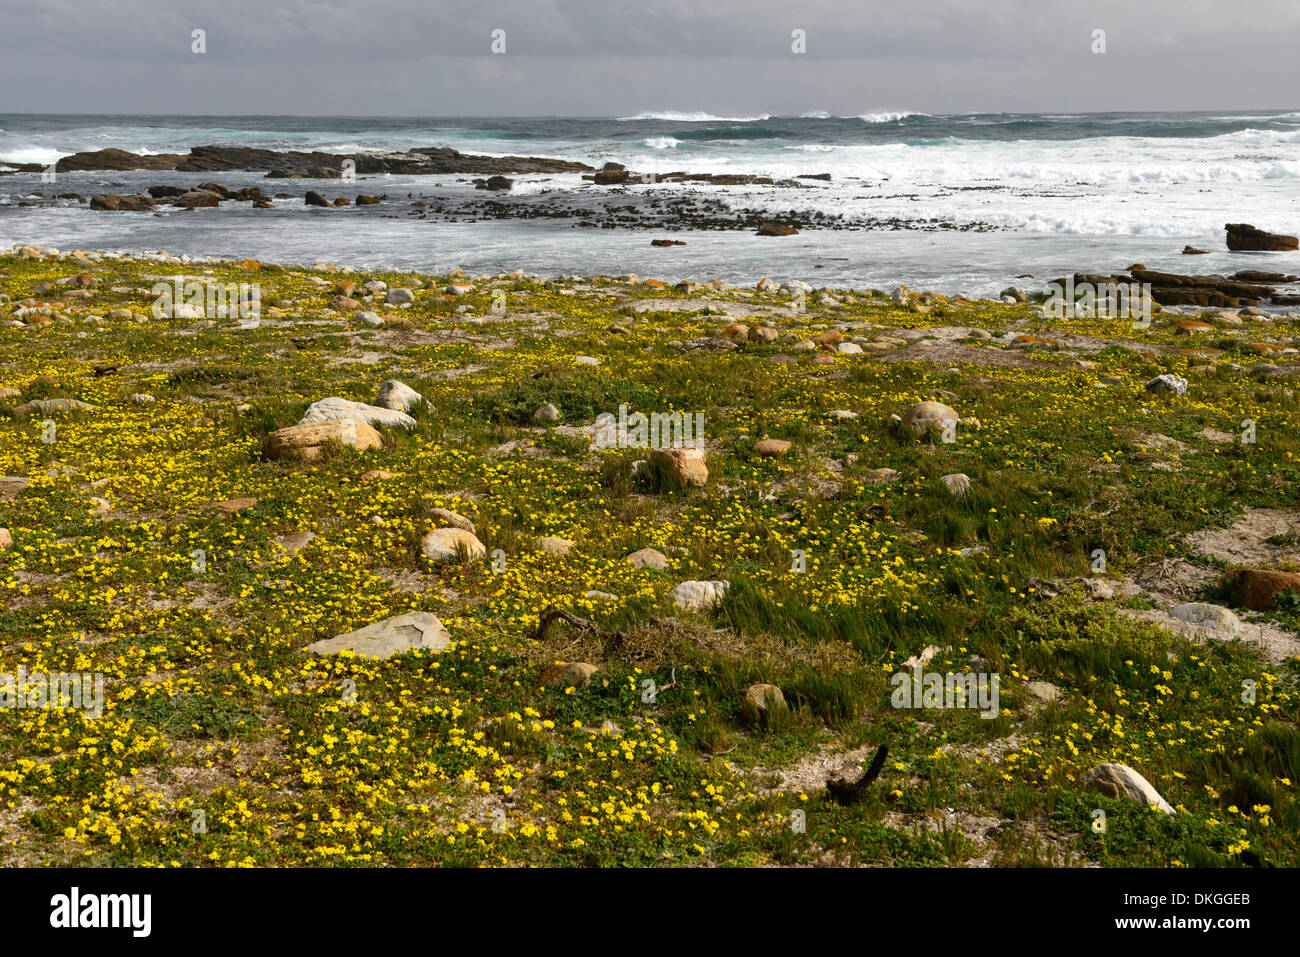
<point x="596" y="116"/>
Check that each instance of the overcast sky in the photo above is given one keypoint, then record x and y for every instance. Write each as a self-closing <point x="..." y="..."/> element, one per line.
<point x="615" y="57"/>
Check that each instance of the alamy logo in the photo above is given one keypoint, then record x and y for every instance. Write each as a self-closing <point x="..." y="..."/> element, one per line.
<point x="134" y="911"/>
<point x="659" y="430"/>
<point x="82" y="691"/>
<point x="1107" y="300"/>
<point x="207" y="300"/>
<point x="934" y="690"/>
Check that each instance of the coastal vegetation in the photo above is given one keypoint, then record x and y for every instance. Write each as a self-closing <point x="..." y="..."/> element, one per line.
<point x="155" y="535"/>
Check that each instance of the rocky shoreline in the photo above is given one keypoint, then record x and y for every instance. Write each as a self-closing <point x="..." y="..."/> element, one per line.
<point x="603" y="201"/>
<point x="418" y="161"/>
<point x="435" y="160"/>
<point x="606" y="209"/>
<point x="1221" y="302"/>
<point x="1247" y="287"/>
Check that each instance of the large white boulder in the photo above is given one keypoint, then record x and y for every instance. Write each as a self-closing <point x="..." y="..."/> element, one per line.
<point x="698" y="595"/>
<point x="1119" y="781"/>
<point x="397" y="395"/>
<point x="335" y="409"/>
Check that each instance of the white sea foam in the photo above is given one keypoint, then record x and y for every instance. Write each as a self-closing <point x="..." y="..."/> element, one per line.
<point x="661" y="142"/>
<point x="698" y="117"/>
<point x="886" y="116"/>
<point x="31" y="154"/>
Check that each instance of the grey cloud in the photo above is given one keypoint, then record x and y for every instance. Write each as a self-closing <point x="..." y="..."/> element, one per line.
<point x="616" y="56"/>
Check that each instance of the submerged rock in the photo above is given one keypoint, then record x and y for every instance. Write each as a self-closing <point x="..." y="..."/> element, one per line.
<point x="1242" y="236"/>
<point x="115" y="203"/>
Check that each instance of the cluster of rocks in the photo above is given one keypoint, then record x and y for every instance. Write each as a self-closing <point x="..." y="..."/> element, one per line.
<point x="313" y="198"/>
<point x="738" y="334"/>
<point x="1243" y="288"/>
<point x="653" y="209"/>
<point x="210" y="195"/>
<point x="296" y="164"/>
<point x="420" y="630"/>
<point x="349" y="297"/>
<point x="202" y="196"/>
<point x="616" y="174"/>
<point x="38" y="251"/>
<point x="421" y="160"/>
<point x="344" y="421"/>
<point x="441" y="160"/>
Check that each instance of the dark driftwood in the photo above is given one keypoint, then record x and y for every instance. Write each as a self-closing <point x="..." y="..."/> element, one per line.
<point x="551" y="615"/>
<point x="559" y="614"/>
<point x="850" y="792"/>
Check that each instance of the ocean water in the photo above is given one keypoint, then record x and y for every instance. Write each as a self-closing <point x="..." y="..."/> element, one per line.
<point x="959" y="204"/>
